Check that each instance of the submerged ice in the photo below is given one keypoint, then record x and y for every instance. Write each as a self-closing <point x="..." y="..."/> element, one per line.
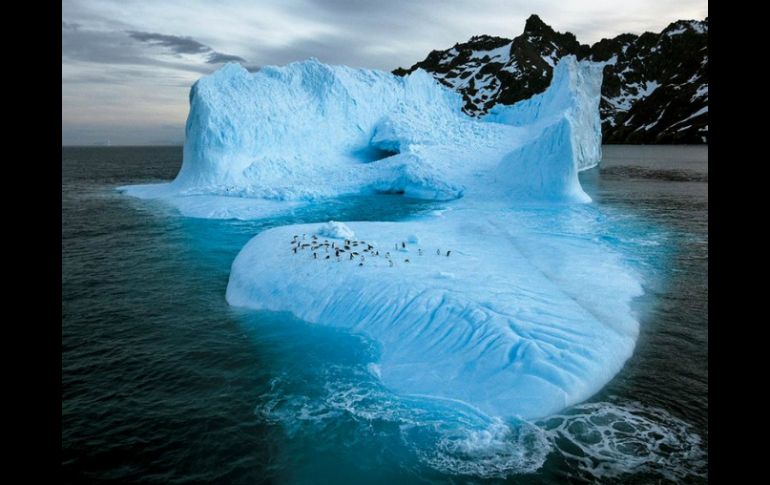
<point x="506" y="300"/>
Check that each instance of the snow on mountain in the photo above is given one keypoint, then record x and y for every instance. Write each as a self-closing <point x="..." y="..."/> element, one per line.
<point x="652" y="82"/>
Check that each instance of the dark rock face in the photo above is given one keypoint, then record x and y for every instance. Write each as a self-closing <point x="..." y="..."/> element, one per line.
<point x="655" y="87"/>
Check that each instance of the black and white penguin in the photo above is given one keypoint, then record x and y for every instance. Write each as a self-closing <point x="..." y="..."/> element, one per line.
<point x="448" y="253"/>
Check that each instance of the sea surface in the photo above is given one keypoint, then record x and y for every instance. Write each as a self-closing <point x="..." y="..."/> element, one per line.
<point x="163" y="382"/>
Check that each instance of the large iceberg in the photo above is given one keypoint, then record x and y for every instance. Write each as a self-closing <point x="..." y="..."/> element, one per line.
<point x="308" y="130"/>
<point x="505" y="300"/>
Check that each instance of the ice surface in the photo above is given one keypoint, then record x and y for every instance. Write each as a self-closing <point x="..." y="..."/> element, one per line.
<point x="336" y="230"/>
<point x="525" y="324"/>
<point x="573" y="96"/>
<point x="308" y="131"/>
<point x="505" y="300"/>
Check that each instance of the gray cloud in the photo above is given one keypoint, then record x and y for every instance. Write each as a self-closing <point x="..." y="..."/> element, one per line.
<point x="220" y="58"/>
<point x="179" y="45"/>
<point x="117" y="48"/>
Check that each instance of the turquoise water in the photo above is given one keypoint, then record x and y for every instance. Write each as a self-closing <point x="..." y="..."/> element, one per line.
<point x="164" y="382"/>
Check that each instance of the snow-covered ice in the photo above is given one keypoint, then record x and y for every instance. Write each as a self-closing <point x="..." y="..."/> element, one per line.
<point x="510" y="322"/>
<point x="309" y="131"/>
<point x="506" y="299"/>
<point x="336" y="230"/>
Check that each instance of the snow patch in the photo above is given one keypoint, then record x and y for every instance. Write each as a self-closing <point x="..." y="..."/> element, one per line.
<point x="336" y="230"/>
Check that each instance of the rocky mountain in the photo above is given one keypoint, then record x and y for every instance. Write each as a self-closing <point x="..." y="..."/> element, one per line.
<point x="655" y="87"/>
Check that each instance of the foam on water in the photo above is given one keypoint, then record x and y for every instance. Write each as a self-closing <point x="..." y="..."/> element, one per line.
<point x="612" y="439"/>
<point x="608" y="439"/>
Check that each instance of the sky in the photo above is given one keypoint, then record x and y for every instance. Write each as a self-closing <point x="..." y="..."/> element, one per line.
<point x="127" y="65"/>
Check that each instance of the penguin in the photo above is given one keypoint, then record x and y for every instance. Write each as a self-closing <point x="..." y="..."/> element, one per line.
<point x="315" y="255"/>
<point x="369" y="247"/>
<point x="438" y="252"/>
<point x="406" y="260"/>
<point x="403" y="244"/>
<point x="360" y="264"/>
<point x="351" y="256"/>
<point x="448" y="253"/>
<point x="337" y="253"/>
<point x="315" y="237"/>
<point x="295" y="250"/>
<point x="347" y="246"/>
<point x="327" y="257"/>
<point x="391" y="262"/>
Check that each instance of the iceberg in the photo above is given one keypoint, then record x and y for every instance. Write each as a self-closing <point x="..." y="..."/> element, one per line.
<point x="506" y="300"/>
<point x="309" y="131"/>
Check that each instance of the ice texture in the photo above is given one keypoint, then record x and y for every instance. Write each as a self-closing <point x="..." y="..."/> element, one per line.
<point x="308" y="131"/>
<point x="505" y="300"/>
<point x="336" y="230"/>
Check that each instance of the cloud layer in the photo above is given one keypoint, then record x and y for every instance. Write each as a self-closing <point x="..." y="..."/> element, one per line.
<point x="127" y="66"/>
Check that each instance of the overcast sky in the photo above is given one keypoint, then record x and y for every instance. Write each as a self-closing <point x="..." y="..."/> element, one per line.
<point x="127" y="66"/>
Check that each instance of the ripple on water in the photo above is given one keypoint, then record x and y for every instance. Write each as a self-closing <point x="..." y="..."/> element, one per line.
<point x="604" y="440"/>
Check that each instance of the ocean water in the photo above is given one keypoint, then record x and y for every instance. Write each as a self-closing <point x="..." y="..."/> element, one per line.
<point x="163" y="382"/>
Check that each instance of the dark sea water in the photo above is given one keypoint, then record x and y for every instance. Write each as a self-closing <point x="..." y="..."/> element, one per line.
<point x="163" y="382"/>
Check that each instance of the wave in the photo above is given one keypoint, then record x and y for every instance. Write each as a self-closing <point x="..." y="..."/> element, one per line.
<point x="603" y="440"/>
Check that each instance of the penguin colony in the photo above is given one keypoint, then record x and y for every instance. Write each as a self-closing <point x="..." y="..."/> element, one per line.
<point x="351" y="250"/>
